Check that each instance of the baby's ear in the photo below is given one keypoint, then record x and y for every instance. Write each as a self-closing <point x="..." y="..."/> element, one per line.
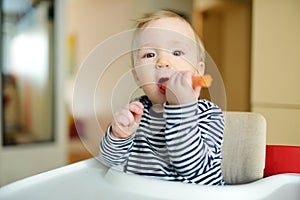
<point x="201" y="68"/>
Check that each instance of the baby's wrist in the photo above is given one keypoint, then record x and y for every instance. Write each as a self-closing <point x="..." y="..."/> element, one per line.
<point x="118" y="134"/>
<point x="112" y="134"/>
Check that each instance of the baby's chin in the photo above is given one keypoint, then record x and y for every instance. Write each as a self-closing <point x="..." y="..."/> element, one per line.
<point x="158" y="98"/>
<point x="154" y="94"/>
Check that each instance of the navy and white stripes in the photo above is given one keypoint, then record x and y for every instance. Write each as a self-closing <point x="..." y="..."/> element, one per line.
<point x="182" y="145"/>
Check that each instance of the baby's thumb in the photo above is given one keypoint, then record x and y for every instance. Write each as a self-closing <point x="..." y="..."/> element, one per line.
<point x="137" y="118"/>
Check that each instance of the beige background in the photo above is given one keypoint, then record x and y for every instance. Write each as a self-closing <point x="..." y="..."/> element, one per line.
<point x="276" y="67"/>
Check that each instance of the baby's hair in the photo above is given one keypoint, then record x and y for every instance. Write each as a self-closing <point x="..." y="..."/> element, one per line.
<point x="150" y="17"/>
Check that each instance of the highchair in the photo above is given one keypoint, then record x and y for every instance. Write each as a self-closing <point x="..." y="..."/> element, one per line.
<point x="243" y="165"/>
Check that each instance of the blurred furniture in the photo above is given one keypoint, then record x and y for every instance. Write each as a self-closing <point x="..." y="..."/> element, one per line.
<point x="77" y="151"/>
<point x="243" y="149"/>
<point x="32" y="55"/>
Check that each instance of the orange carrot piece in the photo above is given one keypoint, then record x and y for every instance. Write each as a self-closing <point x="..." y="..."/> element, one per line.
<point x="164" y="85"/>
<point x="203" y="81"/>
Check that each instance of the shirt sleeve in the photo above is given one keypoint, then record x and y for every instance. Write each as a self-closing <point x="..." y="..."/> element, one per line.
<point x="114" y="151"/>
<point x="194" y="136"/>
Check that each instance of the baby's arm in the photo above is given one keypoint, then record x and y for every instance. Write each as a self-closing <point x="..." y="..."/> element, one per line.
<point x="114" y="151"/>
<point x="118" y="140"/>
<point x="194" y="136"/>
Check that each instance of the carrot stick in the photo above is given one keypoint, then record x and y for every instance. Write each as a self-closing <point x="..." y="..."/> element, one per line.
<point x="203" y="81"/>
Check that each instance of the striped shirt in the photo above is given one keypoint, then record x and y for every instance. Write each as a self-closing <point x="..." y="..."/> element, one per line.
<point x="181" y="144"/>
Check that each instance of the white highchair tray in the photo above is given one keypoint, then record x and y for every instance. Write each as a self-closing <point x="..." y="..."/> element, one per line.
<point x="90" y="179"/>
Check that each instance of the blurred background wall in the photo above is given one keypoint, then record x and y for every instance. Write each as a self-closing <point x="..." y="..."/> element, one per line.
<point x="254" y="44"/>
<point x="275" y="68"/>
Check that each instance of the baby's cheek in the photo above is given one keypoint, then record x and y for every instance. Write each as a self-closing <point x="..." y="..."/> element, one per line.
<point x="145" y="75"/>
<point x="189" y="63"/>
<point x="190" y="68"/>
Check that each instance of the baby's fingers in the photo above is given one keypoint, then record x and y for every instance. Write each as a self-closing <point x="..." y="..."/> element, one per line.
<point x="127" y="120"/>
<point x="121" y="125"/>
<point x="136" y="108"/>
<point x="124" y="118"/>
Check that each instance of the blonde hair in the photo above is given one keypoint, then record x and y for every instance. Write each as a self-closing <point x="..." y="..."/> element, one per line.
<point x="150" y="17"/>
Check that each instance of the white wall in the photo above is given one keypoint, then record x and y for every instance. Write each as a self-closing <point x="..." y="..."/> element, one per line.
<point x="276" y="68"/>
<point x="93" y="21"/>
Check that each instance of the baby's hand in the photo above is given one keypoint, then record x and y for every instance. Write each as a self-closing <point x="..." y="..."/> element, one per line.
<point x="127" y="120"/>
<point x="180" y="90"/>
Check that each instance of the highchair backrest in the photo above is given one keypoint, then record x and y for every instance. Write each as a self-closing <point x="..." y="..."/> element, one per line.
<point x="243" y="149"/>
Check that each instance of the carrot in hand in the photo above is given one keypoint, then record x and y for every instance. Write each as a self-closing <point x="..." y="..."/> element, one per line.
<point x="203" y="81"/>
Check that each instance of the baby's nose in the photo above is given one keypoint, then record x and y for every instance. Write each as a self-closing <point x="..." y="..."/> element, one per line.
<point x="163" y="63"/>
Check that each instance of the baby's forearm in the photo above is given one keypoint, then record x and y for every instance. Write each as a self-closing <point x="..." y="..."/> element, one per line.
<point x="184" y="139"/>
<point x="190" y="146"/>
<point x="114" y="151"/>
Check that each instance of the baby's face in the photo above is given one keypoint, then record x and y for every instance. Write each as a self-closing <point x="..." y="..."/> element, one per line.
<point x="164" y="47"/>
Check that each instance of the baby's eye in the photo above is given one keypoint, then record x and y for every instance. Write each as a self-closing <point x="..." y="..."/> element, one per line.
<point x="149" y="55"/>
<point x="178" y="53"/>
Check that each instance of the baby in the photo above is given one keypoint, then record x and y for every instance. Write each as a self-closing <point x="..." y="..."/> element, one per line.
<point x="169" y="133"/>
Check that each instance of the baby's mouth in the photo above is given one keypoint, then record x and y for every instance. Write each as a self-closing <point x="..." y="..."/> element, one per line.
<point x="162" y="80"/>
<point x="162" y="84"/>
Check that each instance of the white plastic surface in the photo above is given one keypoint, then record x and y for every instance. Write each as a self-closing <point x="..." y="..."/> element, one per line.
<point x="90" y="179"/>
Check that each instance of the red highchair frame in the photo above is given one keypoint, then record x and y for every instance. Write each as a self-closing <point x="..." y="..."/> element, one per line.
<point x="282" y="159"/>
